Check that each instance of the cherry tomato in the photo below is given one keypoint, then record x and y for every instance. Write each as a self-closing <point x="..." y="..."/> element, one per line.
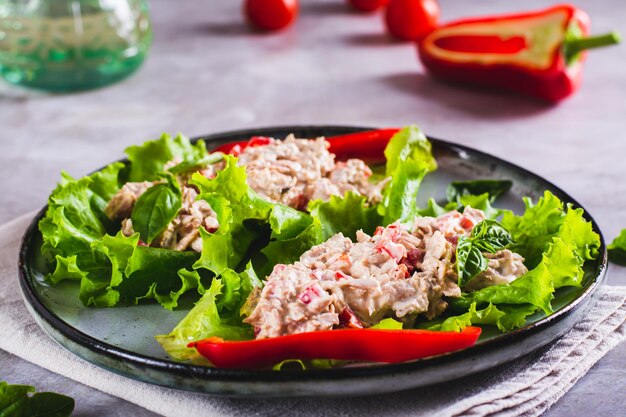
<point x="271" y="14"/>
<point x="368" y="5"/>
<point x="411" y="19"/>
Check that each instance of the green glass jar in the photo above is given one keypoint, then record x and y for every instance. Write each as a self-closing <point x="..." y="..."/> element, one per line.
<point x="71" y="45"/>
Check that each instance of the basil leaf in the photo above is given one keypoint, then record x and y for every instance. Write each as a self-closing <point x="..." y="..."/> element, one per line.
<point x="490" y="236"/>
<point x="487" y="236"/>
<point x="16" y="401"/>
<point x="196" y="164"/>
<point x="469" y="260"/>
<point x="495" y="188"/>
<point x="155" y="209"/>
<point x="49" y="404"/>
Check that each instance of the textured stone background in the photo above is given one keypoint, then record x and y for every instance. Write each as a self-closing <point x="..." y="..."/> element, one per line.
<point x="207" y="73"/>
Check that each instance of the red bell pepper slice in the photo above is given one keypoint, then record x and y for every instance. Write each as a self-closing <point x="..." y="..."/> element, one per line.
<point x="534" y="53"/>
<point x="371" y="345"/>
<point x="368" y="145"/>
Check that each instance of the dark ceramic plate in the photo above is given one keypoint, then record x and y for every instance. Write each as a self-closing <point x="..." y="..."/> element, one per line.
<point x="121" y="339"/>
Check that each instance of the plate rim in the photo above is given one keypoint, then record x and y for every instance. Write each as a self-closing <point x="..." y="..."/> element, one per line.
<point x="269" y="376"/>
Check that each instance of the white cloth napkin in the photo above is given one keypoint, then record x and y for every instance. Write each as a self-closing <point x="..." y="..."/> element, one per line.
<point x="525" y="387"/>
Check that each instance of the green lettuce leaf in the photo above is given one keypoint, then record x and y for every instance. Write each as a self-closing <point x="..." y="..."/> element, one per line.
<point x="191" y="165"/>
<point x="218" y="313"/>
<point x="302" y="365"/>
<point x="286" y="222"/>
<point x="505" y="317"/>
<point x="149" y="159"/>
<point x="289" y="250"/>
<point x="400" y="194"/>
<point x="433" y="209"/>
<point x="488" y="315"/>
<point x="139" y="272"/>
<point x="409" y="159"/>
<point x="480" y="202"/>
<point x="410" y="143"/>
<point x="617" y="249"/>
<point x="236" y="206"/>
<point x="533" y="231"/>
<point x="74" y="221"/>
<point x="346" y="215"/>
<point x="388" y="324"/>
<point x="493" y="188"/>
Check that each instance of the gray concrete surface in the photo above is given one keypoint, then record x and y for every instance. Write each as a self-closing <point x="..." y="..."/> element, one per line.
<point x="207" y="72"/>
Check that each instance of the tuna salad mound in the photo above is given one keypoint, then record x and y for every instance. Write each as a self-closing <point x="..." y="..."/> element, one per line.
<point x="395" y="273"/>
<point x="295" y="245"/>
<point x="296" y="171"/>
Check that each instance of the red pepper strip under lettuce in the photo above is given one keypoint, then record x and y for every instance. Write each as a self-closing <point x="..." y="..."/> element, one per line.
<point x="369" y="345"/>
<point x="535" y="53"/>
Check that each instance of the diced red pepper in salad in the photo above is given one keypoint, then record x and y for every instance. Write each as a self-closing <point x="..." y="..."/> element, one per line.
<point x="370" y="345"/>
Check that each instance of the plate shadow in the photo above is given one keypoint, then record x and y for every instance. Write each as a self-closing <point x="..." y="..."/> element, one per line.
<point x="478" y="102"/>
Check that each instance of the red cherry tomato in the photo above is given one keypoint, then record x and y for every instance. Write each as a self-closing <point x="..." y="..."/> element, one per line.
<point x="271" y="14"/>
<point x="411" y="19"/>
<point x="368" y="5"/>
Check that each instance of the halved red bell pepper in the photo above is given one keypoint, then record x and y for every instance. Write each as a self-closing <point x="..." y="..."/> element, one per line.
<point x="537" y="53"/>
<point x="368" y="146"/>
<point x="371" y="345"/>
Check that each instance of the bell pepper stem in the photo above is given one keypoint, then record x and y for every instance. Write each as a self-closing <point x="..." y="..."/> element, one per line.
<point x="574" y="46"/>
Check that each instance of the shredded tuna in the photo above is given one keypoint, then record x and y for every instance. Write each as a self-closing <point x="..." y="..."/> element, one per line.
<point x="296" y="171"/>
<point x="296" y="300"/>
<point x="394" y="273"/>
<point x="121" y="205"/>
